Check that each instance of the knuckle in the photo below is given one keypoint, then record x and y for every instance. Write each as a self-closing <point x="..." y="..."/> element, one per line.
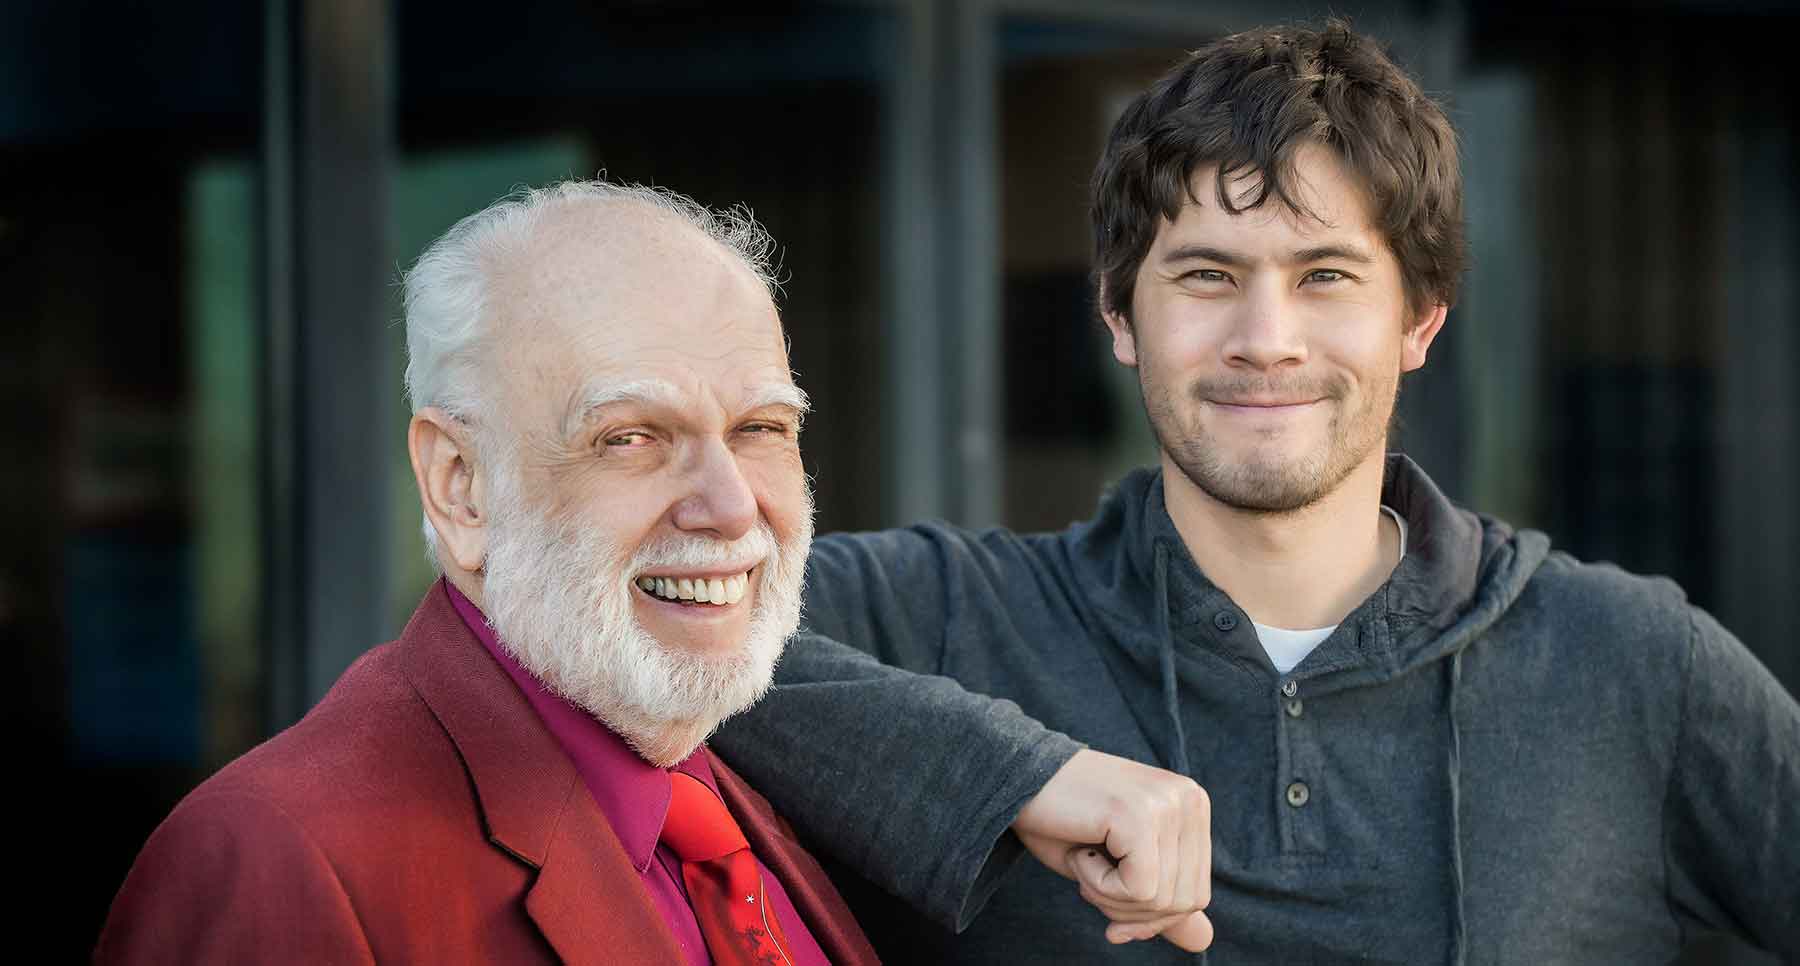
<point x="1196" y="797"/>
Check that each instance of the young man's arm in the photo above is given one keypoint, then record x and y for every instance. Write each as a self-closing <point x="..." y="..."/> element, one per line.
<point x="921" y="785"/>
<point x="1732" y="817"/>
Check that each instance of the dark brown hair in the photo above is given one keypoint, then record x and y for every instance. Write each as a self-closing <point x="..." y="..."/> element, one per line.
<point x="1247" y="103"/>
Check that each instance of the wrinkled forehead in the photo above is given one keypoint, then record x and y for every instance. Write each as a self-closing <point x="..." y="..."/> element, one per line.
<point x="619" y="292"/>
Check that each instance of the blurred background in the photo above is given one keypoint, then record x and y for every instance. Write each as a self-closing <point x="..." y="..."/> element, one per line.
<point x="205" y="207"/>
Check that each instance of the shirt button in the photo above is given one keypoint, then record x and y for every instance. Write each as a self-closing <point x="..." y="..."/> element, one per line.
<point x="1225" y="621"/>
<point x="1298" y="794"/>
<point x="1290" y="687"/>
<point x="1294" y="707"/>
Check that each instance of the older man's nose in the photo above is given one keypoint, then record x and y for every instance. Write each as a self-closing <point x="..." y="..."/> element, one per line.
<point x="718" y="497"/>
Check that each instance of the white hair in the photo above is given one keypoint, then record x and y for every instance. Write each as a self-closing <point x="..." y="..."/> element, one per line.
<point x="447" y="289"/>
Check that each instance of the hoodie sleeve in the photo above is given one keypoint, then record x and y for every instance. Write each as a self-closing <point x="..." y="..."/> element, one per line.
<point x="1732" y="819"/>
<point x="900" y="773"/>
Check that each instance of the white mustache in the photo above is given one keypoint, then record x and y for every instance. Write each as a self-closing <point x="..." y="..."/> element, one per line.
<point x="701" y="553"/>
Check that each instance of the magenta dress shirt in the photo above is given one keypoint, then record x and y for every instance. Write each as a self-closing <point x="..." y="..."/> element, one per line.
<point x="634" y="796"/>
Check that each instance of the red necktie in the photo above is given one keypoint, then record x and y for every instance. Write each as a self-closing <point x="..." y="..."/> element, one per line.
<point x="723" y="884"/>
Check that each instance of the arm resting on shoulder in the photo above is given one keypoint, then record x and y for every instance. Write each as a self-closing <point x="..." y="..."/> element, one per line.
<point x="906" y="777"/>
<point x="899" y="773"/>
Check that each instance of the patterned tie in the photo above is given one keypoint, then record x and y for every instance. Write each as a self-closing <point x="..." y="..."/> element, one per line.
<point x="723" y="884"/>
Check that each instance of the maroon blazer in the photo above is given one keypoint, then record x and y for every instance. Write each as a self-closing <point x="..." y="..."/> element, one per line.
<point x="422" y="813"/>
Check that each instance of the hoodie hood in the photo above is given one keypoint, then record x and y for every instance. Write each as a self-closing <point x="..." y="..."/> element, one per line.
<point x="1460" y="573"/>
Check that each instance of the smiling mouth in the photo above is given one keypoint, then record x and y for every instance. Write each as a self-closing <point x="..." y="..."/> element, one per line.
<point x="701" y="591"/>
<point x="1261" y="404"/>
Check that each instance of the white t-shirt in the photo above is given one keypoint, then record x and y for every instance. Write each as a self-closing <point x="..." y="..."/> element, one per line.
<point x="1286" y="648"/>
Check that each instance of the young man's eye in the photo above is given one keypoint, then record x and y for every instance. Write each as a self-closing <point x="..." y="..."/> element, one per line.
<point x="1325" y="275"/>
<point x="1208" y="275"/>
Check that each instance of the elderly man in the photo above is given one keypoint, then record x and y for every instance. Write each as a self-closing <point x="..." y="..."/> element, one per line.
<point x="605" y="440"/>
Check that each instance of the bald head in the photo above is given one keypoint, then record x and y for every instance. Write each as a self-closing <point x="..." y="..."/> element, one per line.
<point x="449" y="289"/>
<point x="602" y="291"/>
<point x="470" y="297"/>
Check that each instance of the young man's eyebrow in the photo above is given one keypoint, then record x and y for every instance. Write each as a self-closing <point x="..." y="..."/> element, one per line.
<point x="1332" y="253"/>
<point x="1186" y="253"/>
<point x="1209" y="253"/>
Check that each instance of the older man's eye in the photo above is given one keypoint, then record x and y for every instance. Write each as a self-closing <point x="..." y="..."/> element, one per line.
<point x="628" y="440"/>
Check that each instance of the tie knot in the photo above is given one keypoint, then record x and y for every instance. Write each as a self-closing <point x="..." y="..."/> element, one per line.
<point x="698" y="826"/>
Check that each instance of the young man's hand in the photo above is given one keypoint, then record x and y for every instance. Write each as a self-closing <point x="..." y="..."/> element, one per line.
<point x="1138" y="839"/>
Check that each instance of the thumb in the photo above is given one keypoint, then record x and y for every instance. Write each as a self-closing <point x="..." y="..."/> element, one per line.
<point x="1091" y="867"/>
<point x="1193" y="934"/>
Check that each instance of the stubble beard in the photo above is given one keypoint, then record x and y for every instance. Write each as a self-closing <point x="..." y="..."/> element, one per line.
<point x="559" y="597"/>
<point x="1259" y="484"/>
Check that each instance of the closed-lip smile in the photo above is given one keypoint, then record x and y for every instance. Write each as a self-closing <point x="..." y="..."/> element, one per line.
<point x="1254" y="402"/>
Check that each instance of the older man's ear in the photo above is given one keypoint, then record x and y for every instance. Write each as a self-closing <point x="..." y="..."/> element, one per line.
<point x="450" y="489"/>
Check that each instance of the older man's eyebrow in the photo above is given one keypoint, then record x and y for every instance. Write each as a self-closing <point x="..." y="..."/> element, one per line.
<point x="658" y="393"/>
<point x="778" y="394"/>
<point x="589" y="401"/>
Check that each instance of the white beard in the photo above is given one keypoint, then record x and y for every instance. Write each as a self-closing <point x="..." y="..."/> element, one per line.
<point x="560" y="599"/>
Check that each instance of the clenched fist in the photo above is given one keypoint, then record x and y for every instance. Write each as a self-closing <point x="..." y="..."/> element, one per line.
<point x="1137" y="838"/>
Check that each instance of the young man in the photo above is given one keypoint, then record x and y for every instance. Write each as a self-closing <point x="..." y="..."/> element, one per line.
<point x="1427" y="738"/>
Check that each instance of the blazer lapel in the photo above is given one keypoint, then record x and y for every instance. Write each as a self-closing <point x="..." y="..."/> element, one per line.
<point x="807" y="885"/>
<point x="587" y="900"/>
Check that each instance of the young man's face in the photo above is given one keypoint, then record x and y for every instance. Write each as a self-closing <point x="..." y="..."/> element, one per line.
<point x="1269" y="344"/>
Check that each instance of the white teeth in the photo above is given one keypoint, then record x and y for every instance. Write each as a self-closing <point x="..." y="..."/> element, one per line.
<point x="728" y="590"/>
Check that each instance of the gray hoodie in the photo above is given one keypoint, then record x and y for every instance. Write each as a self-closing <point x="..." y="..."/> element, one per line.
<point x="1501" y="756"/>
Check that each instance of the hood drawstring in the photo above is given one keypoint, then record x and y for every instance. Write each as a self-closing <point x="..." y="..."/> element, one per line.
<point x="1459" y="932"/>
<point x="1177" y="756"/>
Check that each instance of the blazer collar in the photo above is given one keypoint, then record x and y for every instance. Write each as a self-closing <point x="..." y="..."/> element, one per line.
<point x="588" y="900"/>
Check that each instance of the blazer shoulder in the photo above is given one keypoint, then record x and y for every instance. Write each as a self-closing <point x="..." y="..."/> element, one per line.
<point x="370" y="749"/>
<point x="233" y="876"/>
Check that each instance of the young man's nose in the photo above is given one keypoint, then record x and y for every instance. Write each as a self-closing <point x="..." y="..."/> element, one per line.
<point x="1265" y="332"/>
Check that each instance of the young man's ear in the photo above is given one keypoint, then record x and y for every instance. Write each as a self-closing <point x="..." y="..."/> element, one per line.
<point x="1417" y="341"/>
<point x="450" y="489"/>
<point x="1124" y="341"/>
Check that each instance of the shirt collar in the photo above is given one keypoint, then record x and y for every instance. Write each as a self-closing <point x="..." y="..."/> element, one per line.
<point x="632" y="793"/>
